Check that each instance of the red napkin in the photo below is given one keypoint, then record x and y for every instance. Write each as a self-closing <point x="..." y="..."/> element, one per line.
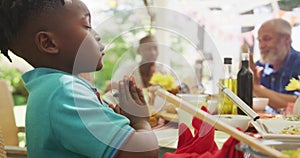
<point x="202" y="145"/>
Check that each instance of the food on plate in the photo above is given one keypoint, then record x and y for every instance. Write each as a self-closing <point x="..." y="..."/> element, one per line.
<point x="153" y="116"/>
<point x="266" y="115"/>
<point x="292" y="153"/>
<point x="169" y="113"/>
<point x="292" y="118"/>
<point x="153" y="120"/>
<point x="228" y="117"/>
<point x="290" y="149"/>
<point x="170" y="108"/>
<point x="293" y="130"/>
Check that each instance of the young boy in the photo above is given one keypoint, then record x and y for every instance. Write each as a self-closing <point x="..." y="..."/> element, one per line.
<point x="64" y="116"/>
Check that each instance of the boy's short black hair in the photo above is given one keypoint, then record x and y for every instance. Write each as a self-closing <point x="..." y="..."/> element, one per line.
<point x="15" y="13"/>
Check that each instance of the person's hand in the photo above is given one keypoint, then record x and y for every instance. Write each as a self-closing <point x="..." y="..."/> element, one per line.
<point x="251" y="62"/>
<point x="132" y="103"/>
<point x="257" y="70"/>
<point x="257" y="74"/>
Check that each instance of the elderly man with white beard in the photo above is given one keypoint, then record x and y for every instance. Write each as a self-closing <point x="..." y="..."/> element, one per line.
<point x="278" y="64"/>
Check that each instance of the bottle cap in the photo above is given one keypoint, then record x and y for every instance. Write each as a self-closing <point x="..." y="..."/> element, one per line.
<point x="227" y="60"/>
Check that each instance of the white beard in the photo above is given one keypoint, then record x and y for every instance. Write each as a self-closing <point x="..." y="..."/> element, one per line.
<point x="270" y="59"/>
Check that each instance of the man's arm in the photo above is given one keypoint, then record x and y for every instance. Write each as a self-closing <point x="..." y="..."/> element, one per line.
<point x="276" y="100"/>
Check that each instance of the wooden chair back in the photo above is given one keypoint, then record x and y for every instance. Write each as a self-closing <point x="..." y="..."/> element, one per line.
<point x="2" y="146"/>
<point x="7" y="118"/>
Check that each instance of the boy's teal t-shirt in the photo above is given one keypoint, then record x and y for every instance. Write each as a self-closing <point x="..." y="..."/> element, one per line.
<point x="64" y="118"/>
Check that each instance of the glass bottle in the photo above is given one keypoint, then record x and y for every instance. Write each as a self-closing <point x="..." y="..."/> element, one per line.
<point x="245" y="80"/>
<point x="225" y="104"/>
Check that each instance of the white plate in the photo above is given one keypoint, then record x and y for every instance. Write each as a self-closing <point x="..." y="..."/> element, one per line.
<point x="270" y="128"/>
<point x="167" y="138"/>
<point x="220" y="138"/>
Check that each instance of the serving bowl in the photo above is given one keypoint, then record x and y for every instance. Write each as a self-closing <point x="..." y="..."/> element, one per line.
<point x="235" y="121"/>
<point x="259" y="104"/>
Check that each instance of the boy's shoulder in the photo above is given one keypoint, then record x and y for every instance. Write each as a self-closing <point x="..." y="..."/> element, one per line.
<point x="44" y="74"/>
<point x="52" y="77"/>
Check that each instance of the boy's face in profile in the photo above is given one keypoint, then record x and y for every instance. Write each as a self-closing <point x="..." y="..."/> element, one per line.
<point x="78" y="44"/>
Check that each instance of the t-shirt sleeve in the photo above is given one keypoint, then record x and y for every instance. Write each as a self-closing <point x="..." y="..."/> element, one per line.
<point x="85" y="126"/>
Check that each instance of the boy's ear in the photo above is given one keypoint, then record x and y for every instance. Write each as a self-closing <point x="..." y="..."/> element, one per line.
<point x="46" y="43"/>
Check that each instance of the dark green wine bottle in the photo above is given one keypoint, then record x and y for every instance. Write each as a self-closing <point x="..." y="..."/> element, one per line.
<point x="245" y="80"/>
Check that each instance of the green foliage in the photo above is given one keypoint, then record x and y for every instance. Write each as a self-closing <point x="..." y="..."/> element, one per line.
<point x="13" y="76"/>
<point x="115" y="50"/>
<point x="118" y="40"/>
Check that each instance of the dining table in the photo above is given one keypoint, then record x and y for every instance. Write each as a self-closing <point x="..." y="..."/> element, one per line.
<point x="166" y="130"/>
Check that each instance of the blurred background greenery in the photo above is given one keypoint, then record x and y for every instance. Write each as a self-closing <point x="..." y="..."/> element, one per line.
<point x="13" y="76"/>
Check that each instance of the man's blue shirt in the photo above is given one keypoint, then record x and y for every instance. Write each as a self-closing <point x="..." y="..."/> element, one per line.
<point x="278" y="80"/>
